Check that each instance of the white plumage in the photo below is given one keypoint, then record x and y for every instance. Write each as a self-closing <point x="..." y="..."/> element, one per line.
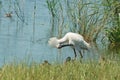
<point x="75" y="40"/>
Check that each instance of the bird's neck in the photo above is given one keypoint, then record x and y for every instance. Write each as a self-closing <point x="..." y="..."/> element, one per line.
<point x="62" y="40"/>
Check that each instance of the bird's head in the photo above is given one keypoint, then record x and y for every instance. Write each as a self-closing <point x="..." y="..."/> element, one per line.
<point x="54" y="42"/>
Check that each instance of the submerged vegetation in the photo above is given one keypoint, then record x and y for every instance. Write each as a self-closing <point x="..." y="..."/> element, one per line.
<point x="104" y="70"/>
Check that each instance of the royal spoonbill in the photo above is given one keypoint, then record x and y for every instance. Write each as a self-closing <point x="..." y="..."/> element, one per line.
<point x="75" y="40"/>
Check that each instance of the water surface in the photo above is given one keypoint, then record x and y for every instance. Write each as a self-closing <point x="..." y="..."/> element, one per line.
<point x="25" y="34"/>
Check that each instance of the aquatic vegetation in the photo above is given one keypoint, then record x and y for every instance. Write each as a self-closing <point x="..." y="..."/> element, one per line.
<point x="75" y="70"/>
<point x="56" y="11"/>
<point x="114" y="37"/>
<point x="111" y="8"/>
<point x="84" y="17"/>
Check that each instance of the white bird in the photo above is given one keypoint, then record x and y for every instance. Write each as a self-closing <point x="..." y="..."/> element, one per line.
<point x="75" y="40"/>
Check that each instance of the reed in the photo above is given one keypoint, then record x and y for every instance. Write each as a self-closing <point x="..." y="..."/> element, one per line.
<point x="104" y="70"/>
<point x="112" y="8"/>
<point x="84" y="17"/>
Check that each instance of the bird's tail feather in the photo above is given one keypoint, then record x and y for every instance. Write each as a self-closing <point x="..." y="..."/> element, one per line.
<point x="87" y="45"/>
<point x="53" y="42"/>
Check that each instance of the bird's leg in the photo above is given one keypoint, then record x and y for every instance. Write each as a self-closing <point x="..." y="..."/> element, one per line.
<point x="81" y="54"/>
<point x="74" y="52"/>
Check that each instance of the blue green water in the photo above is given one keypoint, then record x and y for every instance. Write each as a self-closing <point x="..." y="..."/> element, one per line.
<point x="25" y="34"/>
